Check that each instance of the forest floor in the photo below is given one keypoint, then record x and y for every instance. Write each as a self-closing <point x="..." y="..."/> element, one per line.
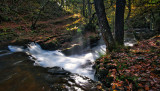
<point x="51" y="33"/>
<point x="132" y="69"/>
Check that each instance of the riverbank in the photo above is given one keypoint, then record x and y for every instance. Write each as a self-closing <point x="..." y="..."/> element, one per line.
<point x="134" y="68"/>
<point x="61" y="33"/>
<point x="21" y="34"/>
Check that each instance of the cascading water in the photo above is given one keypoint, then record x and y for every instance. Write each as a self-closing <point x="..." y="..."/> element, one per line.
<point x="17" y="68"/>
<point x="81" y="64"/>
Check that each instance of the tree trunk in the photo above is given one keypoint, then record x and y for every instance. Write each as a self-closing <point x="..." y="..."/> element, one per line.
<point x="129" y="9"/>
<point x="119" y="22"/>
<point x="33" y="26"/>
<point x="152" y="21"/>
<point x="103" y="24"/>
<point x="91" y="18"/>
<point x="89" y="9"/>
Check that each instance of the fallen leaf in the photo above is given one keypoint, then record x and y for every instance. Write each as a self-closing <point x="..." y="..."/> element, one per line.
<point x="146" y="87"/>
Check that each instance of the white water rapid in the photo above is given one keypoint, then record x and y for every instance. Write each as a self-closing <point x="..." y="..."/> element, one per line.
<point x="81" y="64"/>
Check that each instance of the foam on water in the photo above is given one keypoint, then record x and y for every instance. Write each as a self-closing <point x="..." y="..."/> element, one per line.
<point x="16" y="48"/>
<point x="75" y="63"/>
<point x="80" y="64"/>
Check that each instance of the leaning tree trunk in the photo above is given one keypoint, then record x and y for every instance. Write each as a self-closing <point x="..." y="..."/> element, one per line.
<point x="129" y="9"/>
<point x="103" y="24"/>
<point x="33" y="26"/>
<point x="119" y="22"/>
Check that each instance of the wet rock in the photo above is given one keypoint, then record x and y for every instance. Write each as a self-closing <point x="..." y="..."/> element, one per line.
<point x="22" y="42"/>
<point x="94" y="66"/>
<point x="71" y="82"/>
<point x="54" y="79"/>
<point x="50" y="45"/>
<point x="58" y="71"/>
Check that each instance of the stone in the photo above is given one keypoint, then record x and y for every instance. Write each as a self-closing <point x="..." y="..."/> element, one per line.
<point x="58" y="71"/>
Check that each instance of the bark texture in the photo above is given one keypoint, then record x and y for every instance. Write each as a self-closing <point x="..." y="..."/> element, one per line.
<point x="104" y="25"/>
<point x="119" y="22"/>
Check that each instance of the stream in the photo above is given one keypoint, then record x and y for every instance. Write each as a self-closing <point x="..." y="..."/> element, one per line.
<point x="35" y="69"/>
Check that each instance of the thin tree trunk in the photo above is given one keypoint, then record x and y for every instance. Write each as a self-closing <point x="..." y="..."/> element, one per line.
<point x="152" y="18"/>
<point x="129" y="9"/>
<point x="89" y="9"/>
<point x="104" y="25"/>
<point x="84" y="7"/>
<point x="127" y="21"/>
<point x="91" y="19"/>
<point x="33" y="26"/>
<point x="119" y="22"/>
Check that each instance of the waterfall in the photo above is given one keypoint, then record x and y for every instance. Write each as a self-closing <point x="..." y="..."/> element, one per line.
<point x="80" y="64"/>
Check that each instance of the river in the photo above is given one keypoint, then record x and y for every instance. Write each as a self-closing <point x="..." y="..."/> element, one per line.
<point x="35" y="69"/>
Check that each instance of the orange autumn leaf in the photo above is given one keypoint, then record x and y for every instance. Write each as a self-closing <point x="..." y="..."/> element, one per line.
<point x="139" y="84"/>
<point x="115" y="90"/>
<point x="119" y="85"/>
<point x="146" y="87"/>
<point x="113" y="86"/>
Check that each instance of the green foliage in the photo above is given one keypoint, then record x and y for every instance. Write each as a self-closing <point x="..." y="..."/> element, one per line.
<point x="5" y="29"/>
<point x="153" y="1"/>
<point x="79" y="30"/>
